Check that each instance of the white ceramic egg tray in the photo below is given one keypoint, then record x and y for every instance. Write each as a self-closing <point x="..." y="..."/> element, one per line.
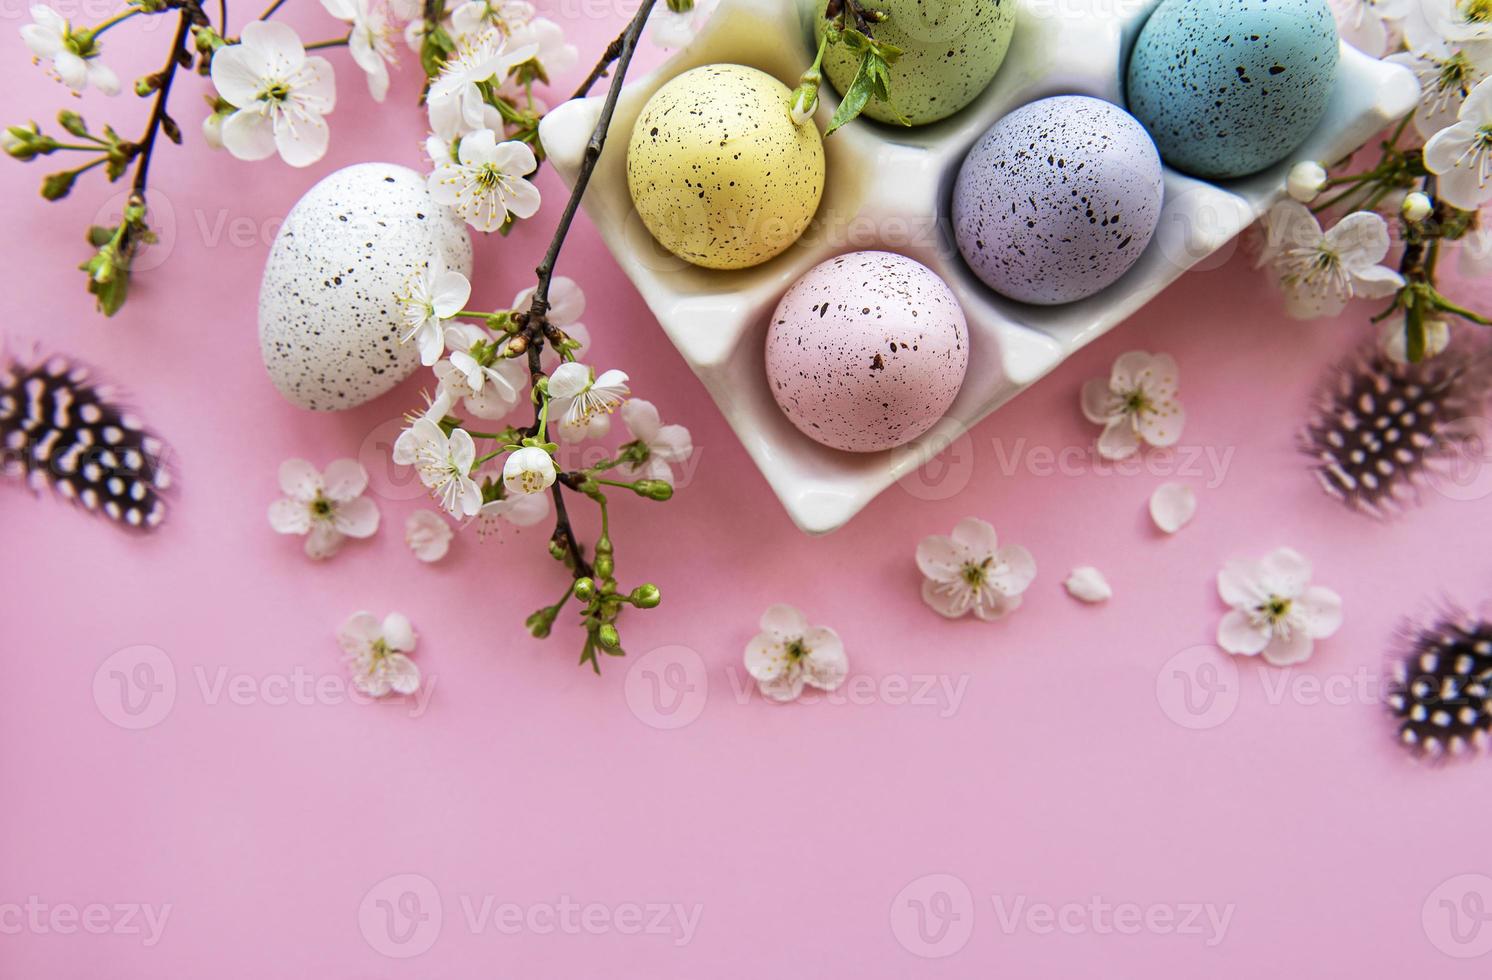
<point x="889" y="188"/>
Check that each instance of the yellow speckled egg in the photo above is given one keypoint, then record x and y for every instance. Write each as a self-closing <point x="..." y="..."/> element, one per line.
<point x="719" y="172"/>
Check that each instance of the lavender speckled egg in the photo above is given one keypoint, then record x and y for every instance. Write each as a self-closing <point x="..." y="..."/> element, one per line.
<point x="867" y="351"/>
<point x="329" y="328"/>
<point x="1229" y="89"/>
<point x="1058" y="200"/>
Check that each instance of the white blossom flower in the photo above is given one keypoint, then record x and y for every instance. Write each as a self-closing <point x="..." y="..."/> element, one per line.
<point x="503" y="15"/>
<point x="552" y="53"/>
<point x="489" y="391"/>
<point x="326" y="507"/>
<point x="1461" y="155"/>
<point x="1137" y="403"/>
<point x="455" y="101"/>
<point x="1322" y="270"/>
<point x="1446" y="21"/>
<point x="428" y="300"/>
<point x="519" y="510"/>
<point x="1446" y="75"/>
<point x="668" y="28"/>
<point x="1393" y="338"/>
<point x="369" y="41"/>
<point x="428" y="535"/>
<point x="281" y="95"/>
<point x="1276" y="611"/>
<point x="566" y="306"/>
<point x="789" y="654"/>
<point x="654" y="445"/>
<point x="378" y="654"/>
<point x="969" y="572"/>
<point x="581" y="398"/>
<point x="443" y="463"/>
<point x="528" y="470"/>
<point x="485" y="183"/>
<point x="74" y="55"/>
<point x="1366" y="24"/>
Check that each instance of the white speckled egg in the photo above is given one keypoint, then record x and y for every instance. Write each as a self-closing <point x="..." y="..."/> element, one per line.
<point x="718" y="171"/>
<point x="867" y="351"/>
<point x="329" y="328"/>
<point x="950" y="51"/>
<point x="1058" y="200"/>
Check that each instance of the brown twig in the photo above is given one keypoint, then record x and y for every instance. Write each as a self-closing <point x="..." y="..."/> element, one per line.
<point x="535" y="325"/>
<point x="191" y="12"/>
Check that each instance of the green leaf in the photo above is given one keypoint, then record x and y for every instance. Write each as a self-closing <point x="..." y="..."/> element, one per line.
<point x="856" y="96"/>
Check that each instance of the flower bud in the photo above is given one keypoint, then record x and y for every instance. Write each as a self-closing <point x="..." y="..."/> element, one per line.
<point x="57" y="186"/>
<point x="1306" y="182"/>
<point x="608" y="637"/>
<point x="653" y="489"/>
<point x="680" y="6"/>
<point x="585" y="589"/>
<point x="646" y="596"/>
<point x="72" y="122"/>
<point x="805" y="101"/>
<point x="1417" y="207"/>
<point x="541" y="622"/>
<point x="605" y="566"/>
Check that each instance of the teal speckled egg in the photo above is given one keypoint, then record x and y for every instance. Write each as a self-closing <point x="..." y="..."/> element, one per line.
<point x="1228" y="88"/>
<point x="950" y="51"/>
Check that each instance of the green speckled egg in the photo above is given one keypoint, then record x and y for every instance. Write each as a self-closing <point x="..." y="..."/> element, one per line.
<point x="718" y="171"/>
<point x="951" y="50"/>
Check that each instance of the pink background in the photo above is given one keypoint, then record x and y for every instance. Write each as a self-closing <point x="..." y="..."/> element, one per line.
<point x="1063" y="772"/>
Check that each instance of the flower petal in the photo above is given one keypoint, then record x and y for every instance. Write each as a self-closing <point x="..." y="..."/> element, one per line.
<point x="299" y="480"/>
<point x="1285" y="651"/>
<point x="398" y="633"/>
<point x="428" y="535"/>
<point x="1098" y="401"/>
<point x="1087" y="584"/>
<point x="248" y="135"/>
<point x="569" y="380"/>
<point x="641" y="419"/>
<point x="1172" y="506"/>
<point x="940" y="558"/>
<point x="784" y="622"/>
<point x="1237" y="633"/>
<point x="290" y="516"/>
<point x="1119" y="439"/>
<point x="402" y="674"/>
<point x="450" y="293"/>
<point x="786" y="687"/>
<point x="1161" y="425"/>
<point x="1284" y="572"/>
<point x="1239" y="584"/>
<point x="1015" y="570"/>
<point x="344" y="479"/>
<point x="976" y="537"/>
<point x="991" y="606"/>
<point x="235" y="74"/>
<point x="359" y="632"/>
<point x="826" y="665"/>
<point x="356" y="518"/>
<point x="1320" y="612"/>
<point x="302" y="142"/>
<point x="323" y="541"/>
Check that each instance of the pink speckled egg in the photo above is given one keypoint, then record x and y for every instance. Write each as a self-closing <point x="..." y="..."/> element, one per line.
<point x="867" y="351"/>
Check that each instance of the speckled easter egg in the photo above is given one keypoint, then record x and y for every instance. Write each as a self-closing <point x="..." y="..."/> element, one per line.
<point x="719" y="172"/>
<point x="329" y="328"/>
<point x="1228" y="89"/>
<point x="867" y="351"/>
<point x="1058" y="200"/>
<point x="950" y="50"/>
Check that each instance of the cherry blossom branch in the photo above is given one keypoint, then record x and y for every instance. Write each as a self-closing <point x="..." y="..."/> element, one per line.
<point x="191" y="13"/>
